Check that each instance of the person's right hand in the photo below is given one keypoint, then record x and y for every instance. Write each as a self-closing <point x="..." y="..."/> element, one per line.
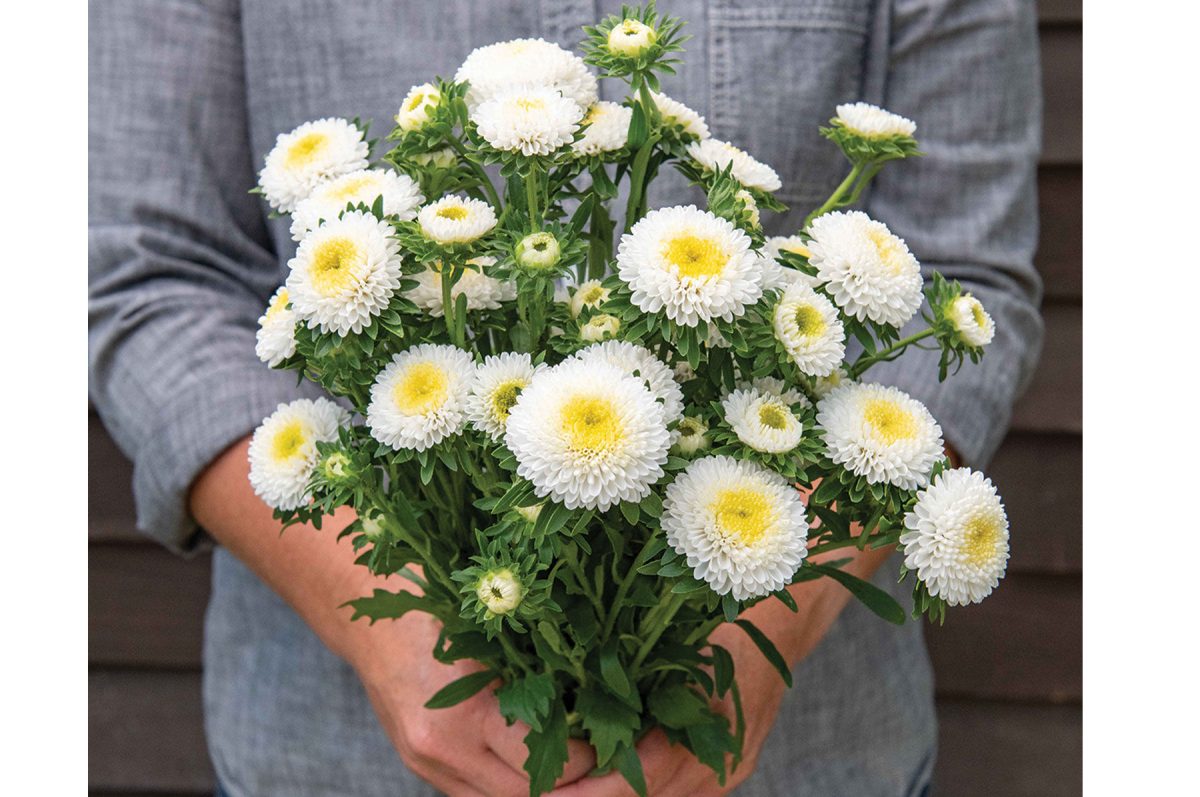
<point x="466" y="749"/>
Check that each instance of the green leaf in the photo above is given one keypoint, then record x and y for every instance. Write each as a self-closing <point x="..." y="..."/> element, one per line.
<point x="547" y="751"/>
<point x="630" y="767"/>
<point x="677" y="706"/>
<point x="722" y="669"/>
<point x="610" y="723"/>
<point x="768" y="649"/>
<point x="631" y="512"/>
<point x="872" y="596"/>
<point x="611" y="670"/>
<point x="710" y="741"/>
<point x="384" y="605"/>
<point x="527" y="699"/>
<point x="456" y="692"/>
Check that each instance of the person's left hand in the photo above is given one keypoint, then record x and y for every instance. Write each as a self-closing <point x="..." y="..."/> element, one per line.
<point x="670" y="769"/>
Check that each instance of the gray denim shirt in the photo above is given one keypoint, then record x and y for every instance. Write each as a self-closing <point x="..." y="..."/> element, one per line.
<point x="185" y="99"/>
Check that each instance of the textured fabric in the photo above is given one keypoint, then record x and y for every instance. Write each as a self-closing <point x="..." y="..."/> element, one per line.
<point x="185" y="99"/>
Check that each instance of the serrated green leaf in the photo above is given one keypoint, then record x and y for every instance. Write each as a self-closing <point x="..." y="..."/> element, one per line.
<point x="385" y="605"/>
<point x="630" y="767"/>
<point x="457" y="691"/>
<point x="610" y="723"/>
<point x="547" y="751"/>
<point x="677" y="706"/>
<point x="527" y="699"/>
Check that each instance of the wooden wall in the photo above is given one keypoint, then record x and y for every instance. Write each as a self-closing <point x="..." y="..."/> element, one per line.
<point x="1008" y="671"/>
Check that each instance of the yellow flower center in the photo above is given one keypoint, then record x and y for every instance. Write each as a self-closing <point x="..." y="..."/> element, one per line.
<point x="890" y="421"/>
<point x="288" y="441"/>
<point x="305" y="149"/>
<point x="348" y="189"/>
<point x="773" y="416"/>
<point x="594" y="294"/>
<point x="798" y="249"/>
<point x="332" y="269"/>
<point x="423" y="388"/>
<point x="809" y="321"/>
<point x="505" y="396"/>
<point x="452" y="212"/>
<point x="594" y="113"/>
<point x="978" y="314"/>
<point x="278" y="302"/>
<point x="889" y="249"/>
<point x="695" y="257"/>
<point x="742" y="513"/>
<point x="592" y="425"/>
<point x="416" y="101"/>
<point x="983" y="534"/>
<point x="528" y="104"/>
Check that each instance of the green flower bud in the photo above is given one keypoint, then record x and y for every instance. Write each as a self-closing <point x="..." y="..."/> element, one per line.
<point x="538" y="251"/>
<point x="631" y="38"/>
<point x="600" y="327"/>
<point x="499" y="591"/>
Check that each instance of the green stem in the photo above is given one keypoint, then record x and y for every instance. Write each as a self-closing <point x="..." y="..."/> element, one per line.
<point x="531" y="196"/>
<point x="637" y="181"/>
<point x="484" y="181"/>
<point x="624" y="587"/>
<point x="669" y="606"/>
<point x="447" y="305"/>
<point x="865" y="362"/>
<point x="835" y="199"/>
<point x="512" y="653"/>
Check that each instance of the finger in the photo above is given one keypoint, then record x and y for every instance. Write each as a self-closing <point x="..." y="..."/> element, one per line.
<point x="581" y="759"/>
<point x="506" y="741"/>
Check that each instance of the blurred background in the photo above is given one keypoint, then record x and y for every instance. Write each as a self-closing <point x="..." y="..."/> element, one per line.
<point x="1009" y="671"/>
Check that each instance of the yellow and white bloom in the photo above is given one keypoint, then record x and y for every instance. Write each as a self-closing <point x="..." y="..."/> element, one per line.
<point x="344" y="273"/>
<point x="776" y="276"/>
<point x="762" y="420"/>
<point x="778" y="388"/>
<point x="807" y="325"/>
<point x="483" y="292"/>
<point x="275" y="340"/>
<point x="601" y="326"/>
<point x="639" y="361"/>
<point x="498" y="382"/>
<point x="532" y="120"/>
<point x="401" y="198"/>
<point x="310" y="154"/>
<point x="972" y="322"/>
<point x="880" y="433"/>
<point x="689" y="264"/>
<point x="714" y="155"/>
<point x="589" y="294"/>
<point x="867" y="269"/>
<point x="526" y="62"/>
<point x="871" y="121"/>
<point x="824" y="385"/>
<point x="631" y="38"/>
<point x="444" y="158"/>
<point x="674" y="112"/>
<point x="420" y="398"/>
<point x="456" y="220"/>
<point x="606" y="129"/>
<point x="586" y="434"/>
<point x="741" y="527"/>
<point x="499" y="591"/>
<point x="751" y="206"/>
<point x="283" y="450"/>
<point x="418" y="105"/>
<point x="956" y="537"/>
<point x="691" y="436"/>
<point x="786" y="243"/>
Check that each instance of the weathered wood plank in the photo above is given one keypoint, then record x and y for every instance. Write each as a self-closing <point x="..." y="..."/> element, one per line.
<point x="1060" y="246"/>
<point x="145" y="733"/>
<point x="1054" y="401"/>
<point x="999" y="750"/>
<point x="1060" y="11"/>
<point x="145" y="606"/>
<point x="1023" y="643"/>
<point x="1062" y="92"/>
<point x="110" y="475"/>
<point x="1041" y="480"/>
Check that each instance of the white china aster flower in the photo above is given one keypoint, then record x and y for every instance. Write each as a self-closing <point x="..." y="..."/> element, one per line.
<point x="741" y="527"/>
<point x="957" y="537"/>
<point x="776" y="276"/>
<point x="973" y="323"/>
<point x="526" y="62"/>
<point x="498" y="382"/>
<point x="283" y="450"/>
<point x="880" y="433"/>
<point x="587" y="434"/>
<point x="871" y="121"/>
<point x="762" y="420"/>
<point x="417" y="107"/>
<point x="676" y="113"/>
<point x="631" y="38"/>
<point x="751" y="207"/>
<point x="401" y="197"/>
<point x="689" y="264"/>
<point x="310" y="154"/>
<point x="807" y="325"/>
<point x="499" y="591"/>
<point x="531" y="120"/>
<point x="824" y="385"/>
<point x="600" y="327"/>
<point x="606" y="129"/>
<point x="639" y="361"/>
<point x="589" y="294"/>
<point x="867" y="270"/>
<point x="344" y="273"/>
<point x="785" y="243"/>
<point x="420" y="398"/>
<point x="456" y="220"/>
<point x="482" y="291"/>
<point x="691" y="436"/>
<point x="715" y="155"/>
<point x="778" y="388"/>
<point x="275" y="340"/>
<point x="444" y="158"/>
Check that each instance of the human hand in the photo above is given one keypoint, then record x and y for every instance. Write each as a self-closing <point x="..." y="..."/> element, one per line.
<point x="466" y="749"/>
<point x="670" y="769"/>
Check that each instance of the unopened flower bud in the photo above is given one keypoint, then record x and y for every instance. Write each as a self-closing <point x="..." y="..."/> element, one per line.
<point x="417" y="107"/>
<point x="600" y="327"/>
<point x="499" y="591"/>
<point x="530" y="513"/>
<point x="538" y="251"/>
<point x="631" y="38"/>
<point x="692" y="436"/>
<point x="973" y="323"/>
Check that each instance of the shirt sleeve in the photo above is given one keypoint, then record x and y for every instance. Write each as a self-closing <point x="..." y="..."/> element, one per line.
<point x="968" y="74"/>
<point x="179" y="264"/>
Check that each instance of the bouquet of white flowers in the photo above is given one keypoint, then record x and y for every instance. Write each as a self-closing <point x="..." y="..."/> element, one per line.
<point x="586" y="460"/>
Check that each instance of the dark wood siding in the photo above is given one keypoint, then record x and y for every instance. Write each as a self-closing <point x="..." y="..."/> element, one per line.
<point x="1008" y="671"/>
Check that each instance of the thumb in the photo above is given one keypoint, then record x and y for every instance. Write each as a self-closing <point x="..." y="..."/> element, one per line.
<point x="581" y="759"/>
